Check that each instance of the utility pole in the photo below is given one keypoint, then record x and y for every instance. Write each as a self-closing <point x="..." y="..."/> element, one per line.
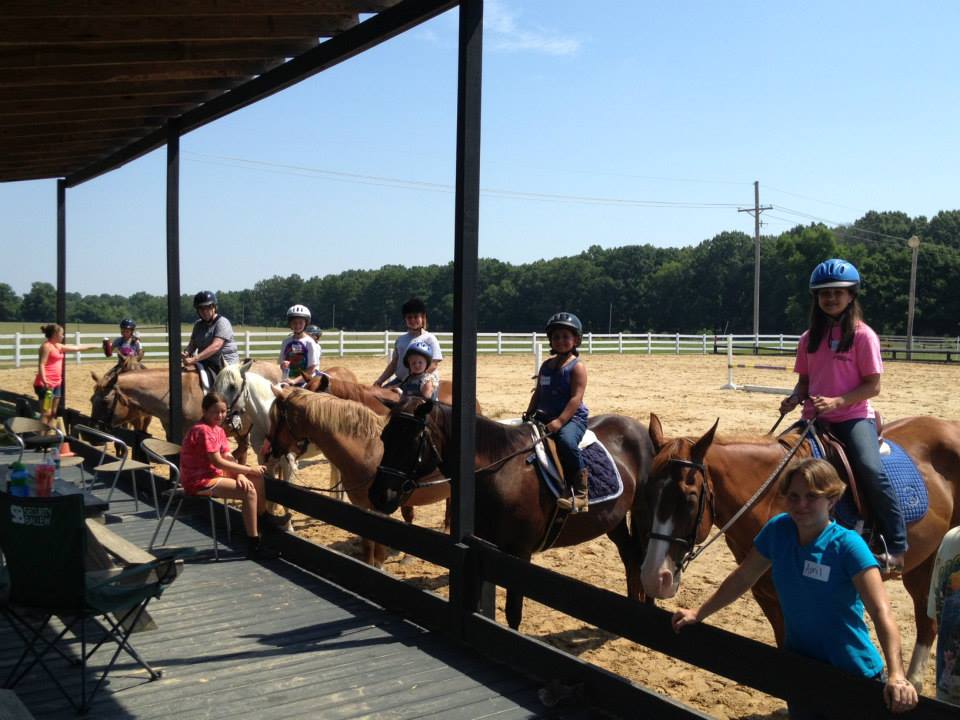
<point x="914" y="244"/>
<point x="755" y="211"/>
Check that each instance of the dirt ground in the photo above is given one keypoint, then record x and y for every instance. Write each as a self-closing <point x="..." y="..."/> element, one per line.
<point x="685" y="391"/>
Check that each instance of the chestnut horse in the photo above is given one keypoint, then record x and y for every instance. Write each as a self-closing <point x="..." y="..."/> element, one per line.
<point x="513" y="507"/>
<point x="348" y="434"/>
<point x="699" y="482"/>
<point x="126" y="416"/>
<point x="378" y="399"/>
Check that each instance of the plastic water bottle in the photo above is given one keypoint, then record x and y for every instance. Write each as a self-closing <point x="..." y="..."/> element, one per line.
<point x="47" y="400"/>
<point x="55" y="454"/>
<point x="17" y="482"/>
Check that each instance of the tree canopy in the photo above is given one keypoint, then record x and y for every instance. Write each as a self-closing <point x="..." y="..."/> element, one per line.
<point x="635" y="288"/>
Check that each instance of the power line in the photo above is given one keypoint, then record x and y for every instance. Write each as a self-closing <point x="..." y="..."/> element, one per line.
<point x="402" y="183"/>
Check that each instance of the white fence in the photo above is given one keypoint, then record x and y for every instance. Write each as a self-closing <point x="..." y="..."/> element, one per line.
<point x="18" y="349"/>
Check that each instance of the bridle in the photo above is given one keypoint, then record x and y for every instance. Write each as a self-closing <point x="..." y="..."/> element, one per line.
<point x="410" y="480"/>
<point x="232" y="412"/>
<point x="704" y="496"/>
<point x="694" y="550"/>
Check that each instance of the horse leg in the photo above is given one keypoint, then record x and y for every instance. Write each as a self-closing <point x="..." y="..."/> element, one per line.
<point x="514" y="608"/>
<point x="336" y="486"/>
<point x="447" y="517"/>
<point x="407" y="512"/>
<point x="917" y="583"/>
<point x="620" y="535"/>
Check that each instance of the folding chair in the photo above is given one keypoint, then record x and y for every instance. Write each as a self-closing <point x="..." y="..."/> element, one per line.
<point x="160" y="451"/>
<point x="44" y="541"/>
<point x="34" y="434"/>
<point x="117" y="467"/>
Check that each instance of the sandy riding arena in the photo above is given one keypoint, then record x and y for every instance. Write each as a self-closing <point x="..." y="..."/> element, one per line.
<point x="685" y="392"/>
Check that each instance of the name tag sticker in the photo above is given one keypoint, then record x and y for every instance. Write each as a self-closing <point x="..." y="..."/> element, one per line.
<point x="544" y="379"/>
<point x="816" y="571"/>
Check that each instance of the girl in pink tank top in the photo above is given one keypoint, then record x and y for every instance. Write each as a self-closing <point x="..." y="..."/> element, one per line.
<point x="50" y="369"/>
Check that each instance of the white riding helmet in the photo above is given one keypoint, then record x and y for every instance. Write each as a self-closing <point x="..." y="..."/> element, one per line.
<point x="298" y="311"/>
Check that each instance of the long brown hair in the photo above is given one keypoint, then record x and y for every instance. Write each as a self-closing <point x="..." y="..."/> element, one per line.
<point x="820" y="324"/>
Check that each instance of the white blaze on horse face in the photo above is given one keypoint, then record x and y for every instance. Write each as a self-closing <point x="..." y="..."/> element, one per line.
<point x="659" y="573"/>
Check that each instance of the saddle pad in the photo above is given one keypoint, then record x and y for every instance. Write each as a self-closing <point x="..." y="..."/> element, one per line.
<point x="907" y="483"/>
<point x="604" y="480"/>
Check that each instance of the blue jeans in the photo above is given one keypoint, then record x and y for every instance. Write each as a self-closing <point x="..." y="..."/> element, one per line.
<point x="860" y="438"/>
<point x="568" y="441"/>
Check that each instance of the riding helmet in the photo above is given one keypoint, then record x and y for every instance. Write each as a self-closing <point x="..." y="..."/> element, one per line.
<point x="567" y="320"/>
<point x="127" y="323"/>
<point x="418" y="347"/>
<point x="298" y="311"/>
<point x="834" y="273"/>
<point x="204" y="298"/>
<point x="413" y="306"/>
<point x="313" y="331"/>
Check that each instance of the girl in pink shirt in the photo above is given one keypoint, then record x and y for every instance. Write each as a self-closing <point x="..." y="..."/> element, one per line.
<point x="208" y="468"/>
<point x="50" y="369"/>
<point x="838" y="361"/>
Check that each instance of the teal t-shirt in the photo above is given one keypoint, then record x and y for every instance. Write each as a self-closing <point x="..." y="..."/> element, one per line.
<point x="822" y="609"/>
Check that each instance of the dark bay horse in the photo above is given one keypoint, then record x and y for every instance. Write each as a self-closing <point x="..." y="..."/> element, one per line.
<point x="348" y="434"/>
<point x="513" y="507"/>
<point x="699" y="482"/>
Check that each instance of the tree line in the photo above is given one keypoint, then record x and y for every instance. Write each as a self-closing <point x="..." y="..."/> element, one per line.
<point x="636" y="288"/>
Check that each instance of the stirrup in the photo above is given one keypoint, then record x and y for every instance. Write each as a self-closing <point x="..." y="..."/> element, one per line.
<point x="575" y="504"/>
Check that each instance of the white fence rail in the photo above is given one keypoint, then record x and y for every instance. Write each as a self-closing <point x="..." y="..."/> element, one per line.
<point x="19" y="349"/>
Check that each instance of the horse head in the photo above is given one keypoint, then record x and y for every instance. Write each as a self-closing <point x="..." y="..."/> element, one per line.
<point x="108" y="405"/>
<point x="231" y="383"/>
<point x="679" y="508"/>
<point x="411" y="451"/>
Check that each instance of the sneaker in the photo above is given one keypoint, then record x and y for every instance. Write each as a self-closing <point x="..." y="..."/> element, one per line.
<point x="256" y="550"/>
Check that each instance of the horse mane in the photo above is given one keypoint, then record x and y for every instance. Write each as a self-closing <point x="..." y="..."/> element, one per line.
<point x="493" y="439"/>
<point x="745" y="439"/>
<point x="331" y="414"/>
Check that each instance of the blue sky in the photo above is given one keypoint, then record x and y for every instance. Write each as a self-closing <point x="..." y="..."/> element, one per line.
<point x="604" y="123"/>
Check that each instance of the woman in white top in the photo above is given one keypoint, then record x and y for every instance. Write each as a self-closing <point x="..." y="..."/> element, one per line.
<point x="415" y="317"/>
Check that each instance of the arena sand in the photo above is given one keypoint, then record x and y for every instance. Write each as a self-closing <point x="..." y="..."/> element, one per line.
<point x="685" y="391"/>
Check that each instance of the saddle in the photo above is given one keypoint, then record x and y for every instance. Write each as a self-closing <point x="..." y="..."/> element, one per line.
<point x="207" y="375"/>
<point x="853" y="509"/>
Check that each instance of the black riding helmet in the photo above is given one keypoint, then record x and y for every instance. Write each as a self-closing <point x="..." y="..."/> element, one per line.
<point x="413" y="306"/>
<point x="127" y="323"/>
<point x="204" y="298"/>
<point x="313" y="330"/>
<point x="569" y="321"/>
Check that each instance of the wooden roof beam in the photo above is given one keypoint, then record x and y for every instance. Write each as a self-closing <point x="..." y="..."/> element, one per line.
<point x="117" y="89"/>
<point x="72" y="54"/>
<point x="134" y="114"/>
<point x="69" y="126"/>
<point x="60" y="106"/>
<point x="138" y="73"/>
<point x="109" y="30"/>
<point x="155" y="8"/>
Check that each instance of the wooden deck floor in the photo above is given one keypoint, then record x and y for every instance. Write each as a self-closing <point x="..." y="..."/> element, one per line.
<point x="238" y="639"/>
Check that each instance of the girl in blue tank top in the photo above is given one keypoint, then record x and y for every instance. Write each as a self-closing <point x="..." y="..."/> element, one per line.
<point x="558" y="401"/>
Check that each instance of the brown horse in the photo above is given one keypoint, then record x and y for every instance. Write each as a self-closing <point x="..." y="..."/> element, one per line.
<point x="699" y="482"/>
<point x="378" y="399"/>
<point x="513" y="507"/>
<point x="126" y="416"/>
<point x="348" y="434"/>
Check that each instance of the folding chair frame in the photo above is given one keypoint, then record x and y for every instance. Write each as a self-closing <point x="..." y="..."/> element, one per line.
<point x="176" y="490"/>
<point x="124" y="452"/>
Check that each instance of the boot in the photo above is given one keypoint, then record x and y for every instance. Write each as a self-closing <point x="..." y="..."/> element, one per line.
<point x="580" y="501"/>
<point x="256" y="550"/>
<point x="269" y="521"/>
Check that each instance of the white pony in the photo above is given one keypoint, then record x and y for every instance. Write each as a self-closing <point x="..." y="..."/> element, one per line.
<point x="249" y="400"/>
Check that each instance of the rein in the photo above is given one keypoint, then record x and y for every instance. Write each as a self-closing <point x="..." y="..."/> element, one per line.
<point x="501" y="461"/>
<point x="694" y="552"/>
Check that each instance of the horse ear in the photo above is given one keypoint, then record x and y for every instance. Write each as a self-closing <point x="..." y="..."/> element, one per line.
<point x="96" y="378"/>
<point x="423" y="410"/>
<point x="245" y="366"/>
<point x="281" y="392"/>
<point x="656" y="432"/>
<point x="703" y="444"/>
<point x="323" y="382"/>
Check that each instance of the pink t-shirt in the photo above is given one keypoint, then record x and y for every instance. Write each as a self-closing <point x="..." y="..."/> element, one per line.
<point x="196" y="471"/>
<point x="832" y="374"/>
